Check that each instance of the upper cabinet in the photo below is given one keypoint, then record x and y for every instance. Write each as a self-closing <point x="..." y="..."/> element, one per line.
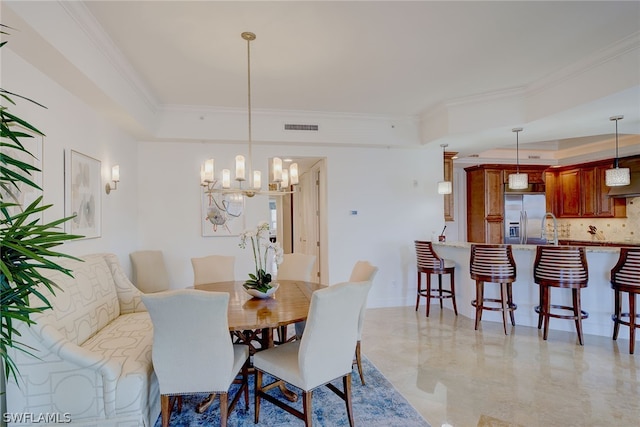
<point x="485" y="199"/>
<point x="579" y="191"/>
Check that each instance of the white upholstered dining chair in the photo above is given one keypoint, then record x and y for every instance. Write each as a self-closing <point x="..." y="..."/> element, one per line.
<point x="188" y="359"/>
<point x="149" y="273"/>
<point x="324" y="353"/>
<point x="295" y="266"/>
<point x="362" y="271"/>
<point x="213" y="268"/>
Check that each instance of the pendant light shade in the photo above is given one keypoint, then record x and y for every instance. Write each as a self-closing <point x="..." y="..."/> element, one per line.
<point x="518" y="181"/>
<point x="444" y="187"/>
<point x="617" y="177"/>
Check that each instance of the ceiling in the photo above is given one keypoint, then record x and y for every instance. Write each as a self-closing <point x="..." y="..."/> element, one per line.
<point x="385" y="58"/>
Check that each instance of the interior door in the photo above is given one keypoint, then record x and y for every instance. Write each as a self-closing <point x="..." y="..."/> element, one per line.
<point x="306" y="217"/>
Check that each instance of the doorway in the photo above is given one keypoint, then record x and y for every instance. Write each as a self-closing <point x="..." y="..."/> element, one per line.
<point x="298" y="217"/>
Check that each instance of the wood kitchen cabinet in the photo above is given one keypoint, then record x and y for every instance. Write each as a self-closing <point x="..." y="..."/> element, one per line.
<point x="580" y="191"/>
<point x="568" y="190"/>
<point x="485" y="198"/>
<point x="485" y="204"/>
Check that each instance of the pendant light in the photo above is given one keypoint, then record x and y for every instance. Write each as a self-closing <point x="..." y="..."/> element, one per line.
<point x="444" y="187"/>
<point x="244" y="167"/>
<point x="518" y="181"/>
<point x="617" y="177"/>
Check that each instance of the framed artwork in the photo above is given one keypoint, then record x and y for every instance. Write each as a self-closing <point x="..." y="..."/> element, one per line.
<point x="24" y="194"/>
<point x="222" y="214"/>
<point x="83" y="185"/>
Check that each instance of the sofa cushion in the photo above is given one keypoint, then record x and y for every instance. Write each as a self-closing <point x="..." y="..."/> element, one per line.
<point x="85" y="303"/>
<point x="128" y="341"/>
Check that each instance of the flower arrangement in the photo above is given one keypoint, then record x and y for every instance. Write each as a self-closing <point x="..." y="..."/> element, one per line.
<point x="261" y="245"/>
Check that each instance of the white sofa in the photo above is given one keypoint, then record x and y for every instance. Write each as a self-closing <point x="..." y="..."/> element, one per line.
<point x="93" y="348"/>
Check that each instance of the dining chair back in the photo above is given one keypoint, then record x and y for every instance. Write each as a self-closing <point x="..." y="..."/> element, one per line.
<point x="213" y="268"/>
<point x="296" y="266"/>
<point x="324" y="353"/>
<point x="192" y="349"/>
<point x="149" y="273"/>
<point x="362" y="271"/>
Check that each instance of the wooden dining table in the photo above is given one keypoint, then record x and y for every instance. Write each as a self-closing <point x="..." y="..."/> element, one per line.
<point x="289" y="304"/>
<point x="252" y="320"/>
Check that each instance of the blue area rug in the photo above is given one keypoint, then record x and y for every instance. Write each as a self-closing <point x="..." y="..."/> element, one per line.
<point x="377" y="403"/>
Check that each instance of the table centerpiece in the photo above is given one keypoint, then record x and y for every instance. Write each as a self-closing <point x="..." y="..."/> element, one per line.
<point x="259" y="284"/>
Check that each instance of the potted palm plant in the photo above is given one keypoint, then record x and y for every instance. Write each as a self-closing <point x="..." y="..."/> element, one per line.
<point x="27" y="243"/>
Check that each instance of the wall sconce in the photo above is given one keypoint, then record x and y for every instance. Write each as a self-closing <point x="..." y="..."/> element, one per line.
<point x="115" y="178"/>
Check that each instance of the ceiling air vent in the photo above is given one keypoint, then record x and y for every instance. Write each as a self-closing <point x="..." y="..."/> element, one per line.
<point x="534" y="157"/>
<point x="292" y="126"/>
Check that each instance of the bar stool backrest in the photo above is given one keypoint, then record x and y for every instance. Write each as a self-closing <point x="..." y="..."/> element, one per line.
<point x="561" y="266"/>
<point x="427" y="258"/>
<point x="492" y="263"/>
<point x="627" y="271"/>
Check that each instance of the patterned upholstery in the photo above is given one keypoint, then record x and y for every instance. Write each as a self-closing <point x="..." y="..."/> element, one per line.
<point x="93" y="350"/>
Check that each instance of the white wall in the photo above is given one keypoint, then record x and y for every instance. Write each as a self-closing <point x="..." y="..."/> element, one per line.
<point x="393" y="191"/>
<point x="70" y="124"/>
<point x="157" y="203"/>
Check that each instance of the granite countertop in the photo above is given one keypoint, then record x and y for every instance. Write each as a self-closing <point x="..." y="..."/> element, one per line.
<point x="598" y="242"/>
<point x="467" y="245"/>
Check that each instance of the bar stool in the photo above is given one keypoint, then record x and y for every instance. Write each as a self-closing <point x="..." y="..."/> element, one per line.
<point x="625" y="277"/>
<point x="560" y="267"/>
<point x="430" y="263"/>
<point x="494" y="264"/>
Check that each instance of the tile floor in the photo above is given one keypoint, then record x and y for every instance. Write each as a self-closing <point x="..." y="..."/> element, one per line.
<point x="455" y="375"/>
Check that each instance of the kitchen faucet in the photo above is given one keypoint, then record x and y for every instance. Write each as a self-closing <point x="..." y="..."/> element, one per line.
<point x="555" y="227"/>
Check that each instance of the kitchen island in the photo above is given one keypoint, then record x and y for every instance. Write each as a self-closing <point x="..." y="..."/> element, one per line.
<point x="597" y="298"/>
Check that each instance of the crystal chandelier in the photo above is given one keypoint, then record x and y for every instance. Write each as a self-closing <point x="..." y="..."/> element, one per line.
<point x="232" y="198"/>
<point x="617" y="177"/>
<point x="518" y="181"/>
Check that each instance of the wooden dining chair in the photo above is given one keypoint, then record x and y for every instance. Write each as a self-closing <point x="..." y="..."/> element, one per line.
<point x="213" y="268"/>
<point x="188" y="359"/>
<point x="324" y="354"/>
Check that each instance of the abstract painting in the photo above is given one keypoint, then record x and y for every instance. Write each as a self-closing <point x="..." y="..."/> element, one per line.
<point x="83" y="185"/>
<point x="222" y="214"/>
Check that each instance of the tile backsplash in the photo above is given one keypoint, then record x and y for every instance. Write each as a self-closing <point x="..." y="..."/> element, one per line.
<point x="607" y="229"/>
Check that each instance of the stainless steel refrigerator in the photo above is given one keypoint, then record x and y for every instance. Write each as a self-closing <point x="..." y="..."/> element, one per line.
<point x="523" y="215"/>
